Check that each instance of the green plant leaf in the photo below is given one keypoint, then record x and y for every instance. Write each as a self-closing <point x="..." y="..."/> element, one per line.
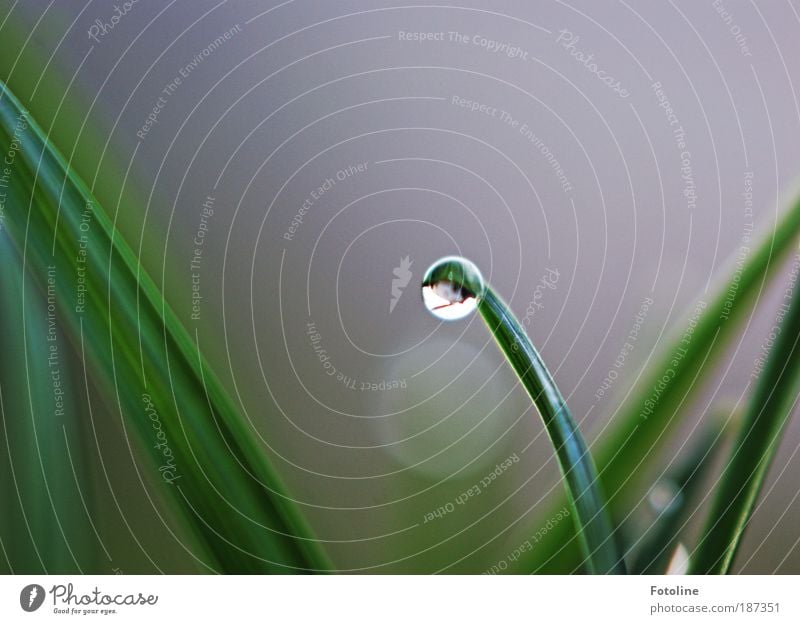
<point x="769" y="409"/>
<point x="201" y="452"/>
<point x="645" y="424"/>
<point x="44" y="482"/>
<point x="594" y="528"/>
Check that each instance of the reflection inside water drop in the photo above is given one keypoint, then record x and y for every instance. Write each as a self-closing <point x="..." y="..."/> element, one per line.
<point x="452" y="287"/>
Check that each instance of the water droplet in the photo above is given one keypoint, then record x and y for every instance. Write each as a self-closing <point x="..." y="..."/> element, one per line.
<point x="664" y="496"/>
<point x="452" y="287"/>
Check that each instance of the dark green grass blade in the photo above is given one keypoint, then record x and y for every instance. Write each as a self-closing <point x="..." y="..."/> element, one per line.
<point x="592" y="522"/>
<point x="773" y="401"/>
<point x="642" y="427"/>
<point x="680" y="485"/>
<point x="45" y="485"/>
<point x="219" y="479"/>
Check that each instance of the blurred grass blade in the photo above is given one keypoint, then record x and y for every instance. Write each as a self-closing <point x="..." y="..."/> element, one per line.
<point x="679" y="561"/>
<point x="672" y="498"/>
<point x="202" y="454"/>
<point x="655" y="405"/>
<point x="595" y="531"/>
<point x="773" y="402"/>
<point x="44" y="476"/>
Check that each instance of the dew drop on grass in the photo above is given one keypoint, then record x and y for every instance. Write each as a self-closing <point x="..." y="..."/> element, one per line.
<point x="452" y="287"/>
<point x="664" y="496"/>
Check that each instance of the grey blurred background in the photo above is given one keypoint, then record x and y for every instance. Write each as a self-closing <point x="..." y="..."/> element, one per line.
<point x="492" y="135"/>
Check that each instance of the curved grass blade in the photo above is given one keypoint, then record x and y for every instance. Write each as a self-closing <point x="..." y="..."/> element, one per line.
<point x="202" y="454"/>
<point x="645" y="423"/>
<point x="773" y="401"/>
<point x="592" y="522"/>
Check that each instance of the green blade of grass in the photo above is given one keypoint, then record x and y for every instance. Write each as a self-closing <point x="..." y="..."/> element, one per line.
<point x="593" y="525"/>
<point x="44" y="472"/>
<point x="201" y="452"/>
<point x="644" y="423"/>
<point x="773" y="401"/>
